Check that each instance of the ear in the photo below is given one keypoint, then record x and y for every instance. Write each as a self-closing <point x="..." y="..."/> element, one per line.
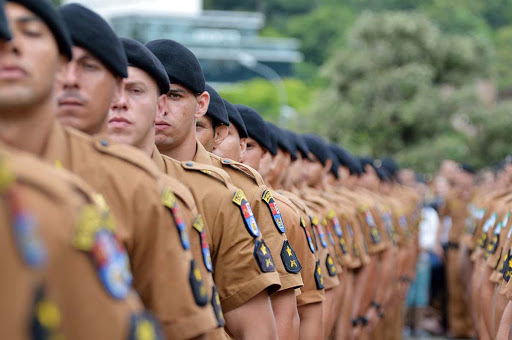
<point x="203" y="101"/>
<point x="243" y="149"/>
<point x="161" y="105"/>
<point x="221" y="133"/>
<point x="328" y="165"/>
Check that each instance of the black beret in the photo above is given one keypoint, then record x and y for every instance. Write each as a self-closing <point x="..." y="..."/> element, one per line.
<point x="290" y="137"/>
<point x="317" y="147"/>
<point x="301" y="145"/>
<point x="255" y="125"/>
<point x="390" y="165"/>
<point x="283" y="141"/>
<point x="47" y="12"/>
<point x="335" y="164"/>
<point x="347" y="160"/>
<point x="468" y="169"/>
<point x="216" y="109"/>
<point x="181" y="64"/>
<point x="273" y="138"/>
<point x="4" y="25"/>
<point x="236" y="119"/>
<point x="140" y="56"/>
<point x="91" y="32"/>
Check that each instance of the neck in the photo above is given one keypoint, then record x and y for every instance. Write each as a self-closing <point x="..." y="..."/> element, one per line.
<point x="148" y="143"/>
<point x="186" y="151"/>
<point x="27" y="132"/>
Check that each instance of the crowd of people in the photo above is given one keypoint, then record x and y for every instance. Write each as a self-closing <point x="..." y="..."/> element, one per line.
<point x="137" y="203"/>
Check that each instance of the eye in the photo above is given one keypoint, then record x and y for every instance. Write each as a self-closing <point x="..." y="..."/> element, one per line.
<point x="32" y="33"/>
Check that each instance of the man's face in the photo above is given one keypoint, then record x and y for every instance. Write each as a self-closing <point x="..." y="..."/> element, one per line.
<point x="282" y="162"/>
<point x="233" y="147"/>
<point x="132" y="113"/>
<point x="205" y="132"/>
<point x="296" y="171"/>
<point x="85" y="92"/>
<point x="369" y="178"/>
<point x="315" y="171"/>
<point x="253" y="154"/>
<point x="174" y="125"/>
<point x="266" y="165"/>
<point x="29" y="62"/>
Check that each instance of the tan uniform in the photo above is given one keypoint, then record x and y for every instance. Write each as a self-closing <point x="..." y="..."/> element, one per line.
<point x="242" y="264"/>
<point x="273" y="230"/>
<point x="313" y="289"/>
<point x="164" y="272"/>
<point x="62" y="264"/>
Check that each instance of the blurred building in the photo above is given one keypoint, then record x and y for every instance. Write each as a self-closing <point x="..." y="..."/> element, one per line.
<point x="226" y="43"/>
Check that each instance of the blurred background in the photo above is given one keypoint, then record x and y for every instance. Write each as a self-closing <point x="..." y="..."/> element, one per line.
<point x="418" y="80"/>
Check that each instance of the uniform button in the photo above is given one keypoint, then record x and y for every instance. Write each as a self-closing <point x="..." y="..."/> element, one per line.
<point x="189" y="164"/>
<point x="104" y="142"/>
<point x="227" y="161"/>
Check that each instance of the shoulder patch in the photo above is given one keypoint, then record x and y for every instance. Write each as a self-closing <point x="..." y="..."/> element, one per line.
<point x="331" y="267"/>
<point x="108" y="254"/>
<point x="205" y="247"/>
<point x="290" y="260"/>
<point x="329" y="236"/>
<point x="171" y="204"/>
<point x="274" y="210"/>
<point x="197" y="284"/>
<point x="219" y="315"/>
<point x="335" y="223"/>
<point x="144" y="326"/>
<point x="343" y="245"/>
<point x="263" y="256"/>
<point x="320" y="231"/>
<point x="46" y="317"/>
<point x="507" y="266"/>
<point x="308" y="235"/>
<point x="374" y="232"/>
<point x="247" y="215"/>
<point x="319" y="279"/>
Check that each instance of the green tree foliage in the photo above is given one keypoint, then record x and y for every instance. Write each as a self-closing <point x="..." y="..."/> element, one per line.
<point x="396" y="89"/>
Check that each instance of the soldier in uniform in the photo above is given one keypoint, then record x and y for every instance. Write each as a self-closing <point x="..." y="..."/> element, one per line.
<point x="38" y="50"/>
<point x="130" y="122"/>
<point x="270" y="221"/>
<point x="300" y="253"/>
<point x="235" y="144"/>
<point x="241" y="284"/>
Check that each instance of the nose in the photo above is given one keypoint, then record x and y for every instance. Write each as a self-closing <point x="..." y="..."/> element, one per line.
<point x="10" y="46"/>
<point x="69" y="78"/>
<point x="120" y="102"/>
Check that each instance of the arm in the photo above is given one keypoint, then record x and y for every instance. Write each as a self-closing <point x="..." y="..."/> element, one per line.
<point x="310" y="317"/>
<point x="253" y="320"/>
<point x="284" y="305"/>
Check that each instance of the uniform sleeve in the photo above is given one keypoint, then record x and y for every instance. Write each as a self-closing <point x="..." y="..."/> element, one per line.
<point x="165" y="274"/>
<point x="298" y="240"/>
<point x="237" y="271"/>
<point x="275" y="240"/>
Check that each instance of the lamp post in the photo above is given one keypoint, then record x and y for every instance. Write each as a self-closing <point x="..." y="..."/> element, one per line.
<point x="286" y="112"/>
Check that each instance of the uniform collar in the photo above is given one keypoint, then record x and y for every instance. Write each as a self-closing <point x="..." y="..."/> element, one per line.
<point x="56" y="147"/>
<point x="202" y="156"/>
<point x="158" y="159"/>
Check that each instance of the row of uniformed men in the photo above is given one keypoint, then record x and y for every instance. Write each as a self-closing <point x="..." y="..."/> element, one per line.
<point x="301" y="240"/>
<point x="479" y="256"/>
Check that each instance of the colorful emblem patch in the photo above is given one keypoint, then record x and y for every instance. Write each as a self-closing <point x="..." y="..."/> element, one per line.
<point x="247" y="214"/>
<point x="329" y="236"/>
<point x="46" y="320"/>
<point x="28" y="241"/>
<point x="336" y="226"/>
<point x="205" y="247"/>
<point x="144" y="327"/>
<point x="319" y="279"/>
<point x="107" y="252"/>
<point x="170" y="202"/>
<point x="507" y="267"/>
<point x="263" y="257"/>
<point x="219" y="315"/>
<point x="290" y="260"/>
<point x="320" y="231"/>
<point x="343" y="245"/>
<point x="308" y="235"/>
<point x="331" y="267"/>
<point x="374" y="232"/>
<point x="197" y="284"/>
<point x="274" y="210"/>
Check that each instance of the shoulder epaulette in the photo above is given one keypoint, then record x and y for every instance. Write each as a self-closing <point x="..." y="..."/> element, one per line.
<point x="245" y="169"/>
<point x="126" y="153"/>
<point x="209" y="170"/>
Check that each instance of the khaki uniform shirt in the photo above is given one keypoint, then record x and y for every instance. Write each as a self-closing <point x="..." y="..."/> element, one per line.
<point x="273" y="230"/>
<point x="242" y="264"/>
<point x="163" y="271"/>
<point x="62" y="265"/>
